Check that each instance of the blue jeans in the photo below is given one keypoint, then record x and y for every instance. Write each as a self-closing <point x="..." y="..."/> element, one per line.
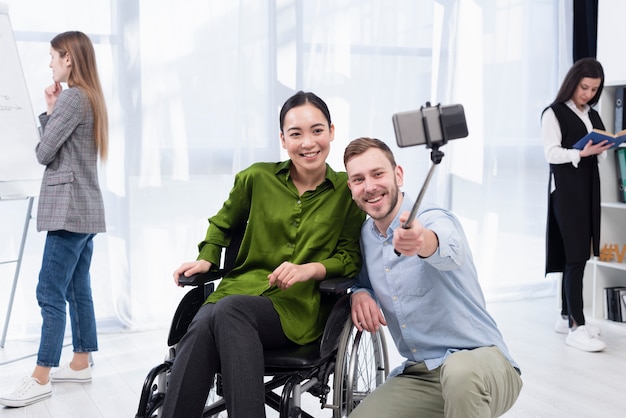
<point x="64" y="278"/>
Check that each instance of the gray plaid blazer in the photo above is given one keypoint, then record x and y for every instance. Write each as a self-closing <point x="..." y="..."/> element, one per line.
<point x="70" y="198"/>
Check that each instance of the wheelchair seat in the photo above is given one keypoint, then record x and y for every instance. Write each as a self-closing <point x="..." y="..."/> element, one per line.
<point x="357" y="361"/>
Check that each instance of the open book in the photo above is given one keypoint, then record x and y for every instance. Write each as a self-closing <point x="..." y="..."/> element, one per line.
<point x="598" y="135"/>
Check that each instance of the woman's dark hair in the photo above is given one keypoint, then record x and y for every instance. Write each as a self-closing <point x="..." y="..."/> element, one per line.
<point x="299" y="99"/>
<point x="584" y="67"/>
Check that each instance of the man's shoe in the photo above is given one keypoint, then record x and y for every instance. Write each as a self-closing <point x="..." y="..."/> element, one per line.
<point x="582" y="339"/>
<point x="28" y="392"/>
<point x="65" y="374"/>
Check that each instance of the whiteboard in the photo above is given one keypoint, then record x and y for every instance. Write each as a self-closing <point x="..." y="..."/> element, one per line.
<point x="20" y="173"/>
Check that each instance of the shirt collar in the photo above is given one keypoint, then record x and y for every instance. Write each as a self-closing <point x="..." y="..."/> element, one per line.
<point x="406" y="205"/>
<point x="570" y="103"/>
<point x="331" y="175"/>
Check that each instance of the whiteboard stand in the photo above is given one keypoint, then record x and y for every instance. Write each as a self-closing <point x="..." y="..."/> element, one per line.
<point x="18" y="265"/>
<point x="20" y="172"/>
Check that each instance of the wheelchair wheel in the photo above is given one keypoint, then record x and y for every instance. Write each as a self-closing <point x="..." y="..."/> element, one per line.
<point x="155" y="387"/>
<point x="153" y="392"/>
<point x="215" y="406"/>
<point x="362" y="364"/>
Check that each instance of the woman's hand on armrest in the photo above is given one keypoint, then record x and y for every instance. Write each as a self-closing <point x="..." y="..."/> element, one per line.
<point x="190" y="268"/>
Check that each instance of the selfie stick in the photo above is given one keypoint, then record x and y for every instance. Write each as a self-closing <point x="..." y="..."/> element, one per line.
<point x="422" y="192"/>
<point x="436" y="156"/>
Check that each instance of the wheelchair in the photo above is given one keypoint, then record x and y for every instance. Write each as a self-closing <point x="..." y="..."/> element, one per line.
<point x="356" y="361"/>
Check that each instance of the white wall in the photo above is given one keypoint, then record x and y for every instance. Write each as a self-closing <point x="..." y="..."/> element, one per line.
<point x="611" y="40"/>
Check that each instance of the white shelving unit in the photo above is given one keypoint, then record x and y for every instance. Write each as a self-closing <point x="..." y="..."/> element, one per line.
<point x="600" y="274"/>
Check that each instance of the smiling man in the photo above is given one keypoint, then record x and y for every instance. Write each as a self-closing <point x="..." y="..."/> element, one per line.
<point x="457" y="364"/>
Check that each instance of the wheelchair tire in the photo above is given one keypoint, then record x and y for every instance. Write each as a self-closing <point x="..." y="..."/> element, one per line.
<point x="215" y="406"/>
<point x="153" y="392"/>
<point x="362" y="364"/>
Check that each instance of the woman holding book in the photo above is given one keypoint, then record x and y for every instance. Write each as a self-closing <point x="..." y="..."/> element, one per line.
<point x="573" y="227"/>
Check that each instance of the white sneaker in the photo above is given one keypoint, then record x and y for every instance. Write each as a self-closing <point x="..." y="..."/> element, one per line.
<point x="561" y="325"/>
<point x="28" y="392"/>
<point x="593" y="330"/>
<point x="65" y="374"/>
<point x="582" y="339"/>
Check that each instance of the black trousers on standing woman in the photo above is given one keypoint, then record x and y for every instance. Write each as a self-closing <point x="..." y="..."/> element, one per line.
<point x="572" y="293"/>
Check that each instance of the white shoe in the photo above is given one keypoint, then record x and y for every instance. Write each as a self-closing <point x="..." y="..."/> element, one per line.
<point x="561" y="326"/>
<point x="28" y="392"/>
<point x="582" y="339"/>
<point x="593" y="330"/>
<point x="65" y="374"/>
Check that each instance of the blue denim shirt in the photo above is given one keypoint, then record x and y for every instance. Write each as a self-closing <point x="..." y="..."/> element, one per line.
<point x="433" y="306"/>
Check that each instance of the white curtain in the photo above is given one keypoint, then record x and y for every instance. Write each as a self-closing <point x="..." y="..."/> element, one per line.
<point x="194" y="89"/>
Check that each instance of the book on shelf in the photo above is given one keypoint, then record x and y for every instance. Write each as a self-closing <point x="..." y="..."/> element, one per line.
<point x="609" y="301"/>
<point x="620" y="165"/>
<point x="598" y="135"/>
<point x="615" y="303"/>
<point x="622" y="302"/>
<point x="620" y="315"/>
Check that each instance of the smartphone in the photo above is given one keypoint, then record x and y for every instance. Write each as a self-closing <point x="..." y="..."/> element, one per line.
<point x="411" y="127"/>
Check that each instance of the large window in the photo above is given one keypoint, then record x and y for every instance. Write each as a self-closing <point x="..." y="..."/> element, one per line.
<point x="194" y="92"/>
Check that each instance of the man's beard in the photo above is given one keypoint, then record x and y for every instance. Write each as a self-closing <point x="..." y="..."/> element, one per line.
<point x="393" y="201"/>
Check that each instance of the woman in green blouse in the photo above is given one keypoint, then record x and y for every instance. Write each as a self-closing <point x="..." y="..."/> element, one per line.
<point x="302" y="227"/>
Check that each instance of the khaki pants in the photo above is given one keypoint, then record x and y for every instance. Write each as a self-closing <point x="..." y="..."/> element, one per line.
<point x="470" y="383"/>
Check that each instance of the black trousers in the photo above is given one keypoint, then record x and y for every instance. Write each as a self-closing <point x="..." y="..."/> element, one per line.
<point x="228" y="337"/>
<point x="572" y="292"/>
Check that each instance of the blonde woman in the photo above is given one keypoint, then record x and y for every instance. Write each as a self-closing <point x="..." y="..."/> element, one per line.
<point x="74" y="134"/>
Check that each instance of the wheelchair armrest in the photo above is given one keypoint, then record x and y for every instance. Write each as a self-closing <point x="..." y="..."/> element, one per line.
<point x="200" y="278"/>
<point x="336" y="285"/>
